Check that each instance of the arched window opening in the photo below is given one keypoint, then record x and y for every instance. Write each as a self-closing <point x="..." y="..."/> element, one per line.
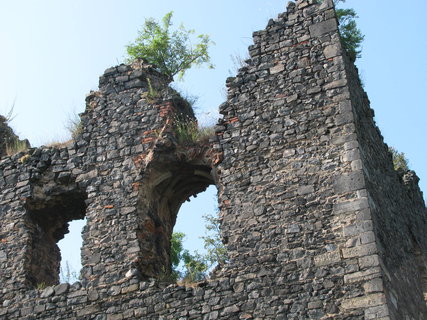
<point x="49" y="217"/>
<point x="164" y="188"/>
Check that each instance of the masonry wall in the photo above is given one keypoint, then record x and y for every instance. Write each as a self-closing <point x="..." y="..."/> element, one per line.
<point x="316" y="222"/>
<point x="398" y="214"/>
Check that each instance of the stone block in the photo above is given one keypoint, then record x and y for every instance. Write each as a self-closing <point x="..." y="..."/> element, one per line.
<point x="278" y="68"/>
<point x="362" y="276"/>
<point x="231" y="309"/>
<point x="344" y="118"/>
<point x="352" y="205"/>
<point x="319" y="29"/>
<point x="360" y="251"/>
<point x="88" y="310"/>
<point x="374" y="285"/>
<point x="27" y="311"/>
<point x="293" y="228"/>
<point x="335" y="84"/>
<point x="347" y="182"/>
<point x="351" y="155"/>
<point x="345" y="106"/>
<point x="357" y="228"/>
<point x="378" y="313"/>
<point x="114" y="316"/>
<point x="367" y="237"/>
<point x="61" y="288"/>
<point x="364" y="301"/>
<point x="315" y="305"/>
<point x="92" y="295"/>
<point x="326" y="4"/>
<point x="305" y="189"/>
<point x="327" y="258"/>
<point x="49" y="291"/>
<point x="94" y="258"/>
<point x="369" y="261"/>
<point x="332" y="51"/>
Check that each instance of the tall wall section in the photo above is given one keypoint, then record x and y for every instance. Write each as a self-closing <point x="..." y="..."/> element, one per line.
<point x="316" y="222"/>
<point x="398" y="213"/>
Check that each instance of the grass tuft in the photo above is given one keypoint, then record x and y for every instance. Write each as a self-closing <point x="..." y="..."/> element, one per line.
<point x="16" y="146"/>
<point x="187" y="130"/>
<point x="74" y="125"/>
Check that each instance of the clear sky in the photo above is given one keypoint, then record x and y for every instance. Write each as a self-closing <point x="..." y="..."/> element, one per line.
<point x="52" y="53"/>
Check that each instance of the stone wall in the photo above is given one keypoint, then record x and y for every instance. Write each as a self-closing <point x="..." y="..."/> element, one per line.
<point x="398" y="214"/>
<point x="316" y="222"/>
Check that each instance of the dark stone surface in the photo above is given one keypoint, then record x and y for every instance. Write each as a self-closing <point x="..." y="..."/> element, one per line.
<point x="316" y="222"/>
<point x="7" y="137"/>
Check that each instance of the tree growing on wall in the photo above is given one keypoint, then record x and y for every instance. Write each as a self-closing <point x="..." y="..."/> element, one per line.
<point x="171" y="52"/>
<point x="351" y="36"/>
<point x="399" y="159"/>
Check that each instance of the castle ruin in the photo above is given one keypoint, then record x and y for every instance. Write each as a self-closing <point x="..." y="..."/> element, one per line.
<point x="316" y="221"/>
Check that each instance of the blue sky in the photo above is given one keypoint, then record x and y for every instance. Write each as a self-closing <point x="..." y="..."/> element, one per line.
<point x="54" y="51"/>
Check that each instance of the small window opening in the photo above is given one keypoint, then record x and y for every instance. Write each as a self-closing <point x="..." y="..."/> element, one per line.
<point x="50" y="217"/>
<point x="70" y="247"/>
<point x="197" y="230"/>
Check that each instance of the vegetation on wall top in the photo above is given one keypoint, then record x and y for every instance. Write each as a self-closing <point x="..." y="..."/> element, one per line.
<point x="351" y="36"/>
<point x="172" y="52"/>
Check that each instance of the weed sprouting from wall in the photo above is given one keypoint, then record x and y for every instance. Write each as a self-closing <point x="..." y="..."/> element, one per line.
<point x="68" y="274"/>
<point x="74" y="125"/>
<point x="188" y="131"/>
<point x="16" y="146"/>
<point x="10" y="114"/>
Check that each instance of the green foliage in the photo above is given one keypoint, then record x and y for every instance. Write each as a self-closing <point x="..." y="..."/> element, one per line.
<point x="216" y="251"/>
<point x="74" y="125"/>
<point x="41" y="286"/>
<point x="399" y="159"/>
<point x="151" y="95"/>
<point x="187" y="130"/>
<point x="172" y="52"/>
<point x="176" y="248"/>
<point x="197" y="265"/>
<point x="351" y="36"/>
<point x="166" y="276"/>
